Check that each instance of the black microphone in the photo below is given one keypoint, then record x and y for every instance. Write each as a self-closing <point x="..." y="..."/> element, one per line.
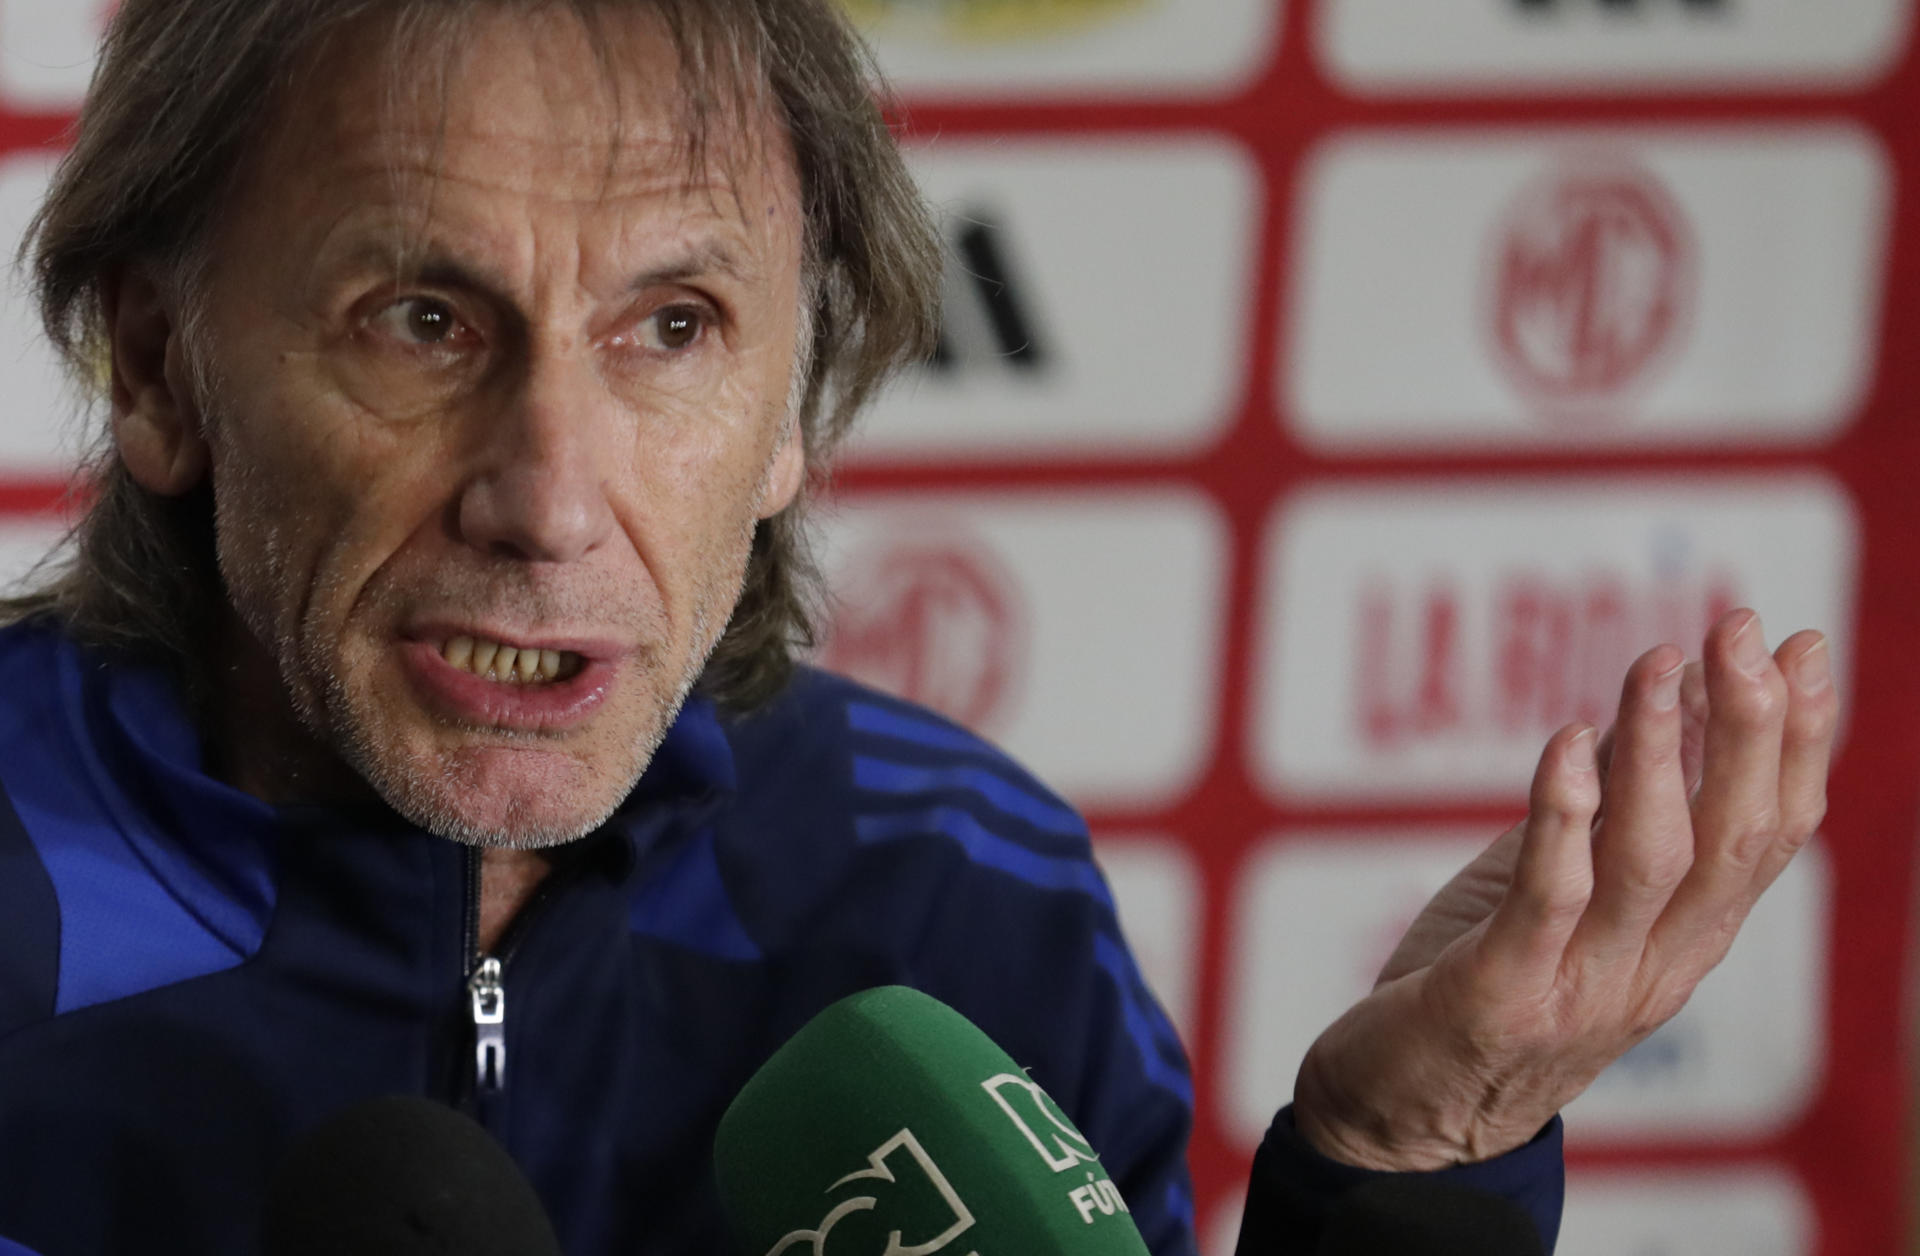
<point x="403" y="1176"/>
<point x="1402" y="1216"/>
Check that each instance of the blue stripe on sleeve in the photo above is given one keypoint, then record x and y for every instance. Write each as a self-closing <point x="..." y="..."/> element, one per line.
<point x="883" y="777"/>
<point x="1145" y="1023"/>
<point x="988" y="849"/>
<point x="1179" y="1204"/>
<point x="866" y="717"/>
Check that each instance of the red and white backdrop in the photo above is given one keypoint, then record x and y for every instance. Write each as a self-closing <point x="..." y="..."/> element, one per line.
<point x="1335" y="396"/>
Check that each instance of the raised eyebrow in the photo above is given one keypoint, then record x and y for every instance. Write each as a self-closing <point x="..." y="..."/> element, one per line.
<point x="427" y="266"/>
<point x="441" y="269"/>
<point x="697" y="263"/>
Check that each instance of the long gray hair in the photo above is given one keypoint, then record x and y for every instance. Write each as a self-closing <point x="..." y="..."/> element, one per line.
<point x="176" y="106"/>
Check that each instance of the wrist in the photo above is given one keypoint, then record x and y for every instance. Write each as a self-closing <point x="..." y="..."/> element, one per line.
<point x="1352" y="1130"/>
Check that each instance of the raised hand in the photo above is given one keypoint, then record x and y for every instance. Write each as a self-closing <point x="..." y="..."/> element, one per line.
<point x="1587" y="925"/>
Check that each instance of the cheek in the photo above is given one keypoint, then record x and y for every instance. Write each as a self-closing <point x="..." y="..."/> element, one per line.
<point x="310" y="505"/>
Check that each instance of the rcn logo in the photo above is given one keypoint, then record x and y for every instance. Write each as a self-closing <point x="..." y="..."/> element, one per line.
<point x="1038" y="1118"/>
<point x="900" y="1181"/>
<point x="1063" y="1148"/>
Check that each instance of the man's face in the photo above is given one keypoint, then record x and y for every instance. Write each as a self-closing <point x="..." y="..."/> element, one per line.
<point x="497" y="375"/>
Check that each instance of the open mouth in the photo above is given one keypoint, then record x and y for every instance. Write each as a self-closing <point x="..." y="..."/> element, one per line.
<point x="510" y="664"/>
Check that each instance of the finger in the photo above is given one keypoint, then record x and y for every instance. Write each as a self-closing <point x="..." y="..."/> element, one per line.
<point x="1736" y="816"/>
<point x="1553" y="873"/>
<point x="1693" y="728"/>
<point x="1644" y="844"/>
<point x="1806" y="746"/>
<point x="1694" y="711"/>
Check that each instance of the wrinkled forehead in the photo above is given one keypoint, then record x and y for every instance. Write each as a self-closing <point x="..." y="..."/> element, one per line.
<point x="608" y="100"/>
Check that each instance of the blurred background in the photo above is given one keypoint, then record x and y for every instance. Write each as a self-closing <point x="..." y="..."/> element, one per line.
<point x="1335" y="395"/>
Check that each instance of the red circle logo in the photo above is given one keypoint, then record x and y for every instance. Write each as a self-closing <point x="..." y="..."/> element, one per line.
<point x="934" y="621"/>
<point x="1593" y="284"/>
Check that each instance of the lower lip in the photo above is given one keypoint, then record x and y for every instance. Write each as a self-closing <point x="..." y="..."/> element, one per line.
<point x="553" y="706"/>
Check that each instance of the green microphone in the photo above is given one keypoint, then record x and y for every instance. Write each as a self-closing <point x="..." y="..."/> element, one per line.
<point x="891" y="1126"/>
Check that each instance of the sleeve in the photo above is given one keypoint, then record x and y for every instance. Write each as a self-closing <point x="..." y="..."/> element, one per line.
<point x="1142" y="1119"/>
<point x="1294" y="1186"/>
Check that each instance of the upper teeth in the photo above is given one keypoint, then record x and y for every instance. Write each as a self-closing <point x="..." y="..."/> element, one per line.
<point x="505" y="662"/>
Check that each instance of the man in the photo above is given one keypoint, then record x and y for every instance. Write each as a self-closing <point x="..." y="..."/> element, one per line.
<point x="417" y="711"/>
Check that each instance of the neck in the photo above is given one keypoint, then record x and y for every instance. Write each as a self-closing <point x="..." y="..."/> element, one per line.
<point x="256" y="743"/>
<point x="508" y="879"/>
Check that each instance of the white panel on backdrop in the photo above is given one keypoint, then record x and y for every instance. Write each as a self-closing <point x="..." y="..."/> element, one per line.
<point x="1586" y="288"/>
<point x="1157" y="889"/>
<point x="24" y="541"/>
<point x="965" y="49"/>
<point x="1545" y="46"/>
<point x="47" y="51"/>
<point x="1081" y="630"/>
<point x="1097" y="297"/>
<point x="39" y="419"/>
<point x="1318" y="914"/>
<point x="1422" y="640"/>
<point x="1759" y="1211"/>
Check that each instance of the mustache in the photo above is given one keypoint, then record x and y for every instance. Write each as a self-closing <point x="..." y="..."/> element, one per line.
<point x="515" y="592"/>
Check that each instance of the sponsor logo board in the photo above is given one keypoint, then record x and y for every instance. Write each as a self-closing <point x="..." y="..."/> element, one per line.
<point x="41" y="434"/>
<point x="992" y="48"/>
<point x="1080" y="630"/>
<point x="1546" y="46"/>
<point x="1739" y="1061"/>
<point x="1424" y="640"/>
<point x="1753" y="1211"/>
<point x="1157" y="888"/>
<point x="1586" y="288"/>
<point x="1095" y="302"/>
<point x="47" y="51"/>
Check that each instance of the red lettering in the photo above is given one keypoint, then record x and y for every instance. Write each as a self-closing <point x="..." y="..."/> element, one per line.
<point x="1378" y="721"/>
<point x="1397" y="696"/>
<point x="1437" y="705"/>
<point x="1558" y="650"/>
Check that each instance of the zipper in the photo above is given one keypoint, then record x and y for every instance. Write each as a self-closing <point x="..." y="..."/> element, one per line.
<point x="488" y="997"/>
<point x="487" y="976"/>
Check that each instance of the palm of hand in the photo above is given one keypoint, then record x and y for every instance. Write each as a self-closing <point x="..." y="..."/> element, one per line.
<point x="1589" y="923"/>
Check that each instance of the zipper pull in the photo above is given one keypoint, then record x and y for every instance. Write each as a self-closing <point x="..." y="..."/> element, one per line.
<point x="489" y="1026"/>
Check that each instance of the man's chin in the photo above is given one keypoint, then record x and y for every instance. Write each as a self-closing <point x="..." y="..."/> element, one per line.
<point x="514" y="798"/>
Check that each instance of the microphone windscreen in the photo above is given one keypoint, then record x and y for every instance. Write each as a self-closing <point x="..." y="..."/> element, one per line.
<point x="1411" y="1216"/>
<point x="889" y="1123"/>
<point x="402" y="1176"/>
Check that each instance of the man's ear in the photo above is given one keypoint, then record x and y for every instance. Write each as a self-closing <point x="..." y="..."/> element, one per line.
<point x="785" y="472"/>
<point x="156" y="420"/>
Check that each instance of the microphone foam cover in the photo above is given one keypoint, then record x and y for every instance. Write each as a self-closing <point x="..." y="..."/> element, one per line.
<point x="890" y="1124"/>
<point x="403" y="1176"/>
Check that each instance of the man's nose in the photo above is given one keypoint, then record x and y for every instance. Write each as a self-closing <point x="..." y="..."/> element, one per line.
<point x="540" y="493"/>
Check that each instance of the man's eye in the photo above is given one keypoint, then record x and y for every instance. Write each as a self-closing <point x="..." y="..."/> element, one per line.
<point x="676" y="327"/>
<point x="419" y="321"/>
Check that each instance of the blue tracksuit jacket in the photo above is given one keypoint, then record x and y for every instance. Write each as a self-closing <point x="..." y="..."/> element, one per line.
<point x="189" y="978"/>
